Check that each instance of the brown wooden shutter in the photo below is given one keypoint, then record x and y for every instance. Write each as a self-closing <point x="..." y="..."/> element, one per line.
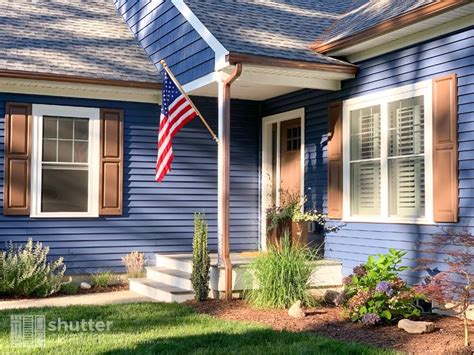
<point x="111" y="162"/>
<point x="16" y="191"/>
<point x="445" y="155"/>
<point x="335" y="161"/>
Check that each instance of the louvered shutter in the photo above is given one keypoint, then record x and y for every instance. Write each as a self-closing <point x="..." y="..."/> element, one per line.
<point x="111" y="164"/>
<point x="335" y="161"/>
<point x="16" y="196"/>
<point x="407" y="168"/>
<point x="445" y="150"/>
<point x="365" y="161"/>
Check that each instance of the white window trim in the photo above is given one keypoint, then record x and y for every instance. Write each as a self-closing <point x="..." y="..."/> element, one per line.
<point x="382" y="98"/>
<point x="93" y="114"/>
<point x="266" y="175"/>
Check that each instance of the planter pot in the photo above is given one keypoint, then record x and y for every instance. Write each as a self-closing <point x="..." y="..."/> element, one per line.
<point x="298" y="233"/>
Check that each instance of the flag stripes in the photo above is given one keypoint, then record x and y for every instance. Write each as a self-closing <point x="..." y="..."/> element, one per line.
<point x="176" y="111"/>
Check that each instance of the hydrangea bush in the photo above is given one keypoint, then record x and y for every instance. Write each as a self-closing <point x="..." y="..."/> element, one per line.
<point x="375" y="293"/>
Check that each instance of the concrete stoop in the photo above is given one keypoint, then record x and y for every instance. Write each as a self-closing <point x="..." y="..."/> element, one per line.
<point x="169" y="280"/>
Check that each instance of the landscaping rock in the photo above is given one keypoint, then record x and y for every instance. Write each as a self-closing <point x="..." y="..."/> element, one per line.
<point x="330" y="296"/>
<point x="296" y="311"/>
<point x="85" y="286"/>
<point x="413" y="327"/>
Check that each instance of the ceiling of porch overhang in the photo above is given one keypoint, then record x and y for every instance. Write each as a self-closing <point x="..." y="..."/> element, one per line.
<point x="258" y="82"/>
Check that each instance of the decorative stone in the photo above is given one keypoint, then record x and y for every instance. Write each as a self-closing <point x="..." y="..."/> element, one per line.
<point x="330" y="296"/>
<point x="414" y="327"/>
<point x="296" y="311"/>
<point x="85" y="286"/>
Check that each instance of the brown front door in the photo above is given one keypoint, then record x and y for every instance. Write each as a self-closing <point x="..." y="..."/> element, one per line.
<point x="290" y="158"/>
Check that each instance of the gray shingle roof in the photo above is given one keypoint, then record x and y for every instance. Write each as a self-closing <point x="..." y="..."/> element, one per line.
<point x="368" y="15"/>
<point x="274" y="28"/>
<point x="76" y="38"/>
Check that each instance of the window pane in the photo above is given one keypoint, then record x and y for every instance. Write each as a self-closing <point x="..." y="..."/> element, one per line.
<point x="407" y="187"/>
<point x="407" y="127"/>
<point x="365" y="133"/>
<point x="65" y="128"/>
<point x="64" y="190"/>
<point x="49" y="149"/>
<point x="81" y="129"/>
<point x="80" y="152"/>
<point x="365" y="188"/>
<point x="50" y="127"/>
<point x="65" y="151"/>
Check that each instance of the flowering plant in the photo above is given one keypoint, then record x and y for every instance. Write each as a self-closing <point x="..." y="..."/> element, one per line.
<point x="292" y="209"/>
<point x="374" y="292"/>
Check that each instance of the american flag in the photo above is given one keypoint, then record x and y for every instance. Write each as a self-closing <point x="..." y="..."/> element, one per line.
<point x="176" y="111"/>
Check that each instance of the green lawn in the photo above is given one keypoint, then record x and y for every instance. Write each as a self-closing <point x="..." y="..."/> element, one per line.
<point x="168" y="328"/>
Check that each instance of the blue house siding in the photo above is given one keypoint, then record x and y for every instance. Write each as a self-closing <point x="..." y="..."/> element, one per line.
<point x="165" y="34"/>
<point x="156" y="217"/>
<point x="448" y="54"/>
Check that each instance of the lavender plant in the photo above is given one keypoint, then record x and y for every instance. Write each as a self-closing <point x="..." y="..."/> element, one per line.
<point x="26" y="271"/>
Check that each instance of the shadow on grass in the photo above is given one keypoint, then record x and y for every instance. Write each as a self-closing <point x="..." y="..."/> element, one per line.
<point x="154" y="328"/>
<point x="264" y="341"/>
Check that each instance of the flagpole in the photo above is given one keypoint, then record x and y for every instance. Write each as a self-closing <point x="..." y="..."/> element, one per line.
<point x="178" y="85"/>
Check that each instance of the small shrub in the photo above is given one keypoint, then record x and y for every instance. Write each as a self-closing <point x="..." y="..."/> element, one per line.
<point x="69" y="288"/>
<point x="201" y="259"/>
<point x="26" y="271"/>
<point x="134" y="264"/>
<point x="282" y="276"/>
<point x="374" y="292"/>
<point x="102" y="279"/>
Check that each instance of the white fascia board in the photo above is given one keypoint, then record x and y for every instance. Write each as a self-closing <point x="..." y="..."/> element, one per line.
<point x="219" y="50"/>
<point x="79" y="90"/>
<point x="202" y="81"/>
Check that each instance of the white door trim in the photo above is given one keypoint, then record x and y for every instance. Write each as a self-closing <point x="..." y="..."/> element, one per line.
<point x="266" y="167"/>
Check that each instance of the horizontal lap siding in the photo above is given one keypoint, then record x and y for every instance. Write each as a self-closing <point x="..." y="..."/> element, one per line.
<point x="165" y="34"/>
<point x="450" y="54"/>
<point x="157" y="217"/>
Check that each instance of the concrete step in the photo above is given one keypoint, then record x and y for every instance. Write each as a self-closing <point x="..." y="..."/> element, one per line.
<point x="181" y="262"/>
<point x="160" y="291"/>
<point x="176" y="278"/>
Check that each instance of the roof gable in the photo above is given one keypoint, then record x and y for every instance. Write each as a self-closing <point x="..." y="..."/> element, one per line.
<point x="282" y="29"/>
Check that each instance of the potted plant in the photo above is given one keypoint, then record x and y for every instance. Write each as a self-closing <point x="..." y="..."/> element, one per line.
<point x="290" y="218"/>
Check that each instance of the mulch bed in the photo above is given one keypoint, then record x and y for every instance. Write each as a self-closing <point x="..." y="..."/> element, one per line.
<point x="328" y="322"/>
<point x="113" y="288"/>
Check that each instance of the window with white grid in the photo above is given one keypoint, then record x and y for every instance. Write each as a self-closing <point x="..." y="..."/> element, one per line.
<point x="387" y="155"/>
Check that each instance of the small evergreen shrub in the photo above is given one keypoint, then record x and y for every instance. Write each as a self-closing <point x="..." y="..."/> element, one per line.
<point x="134" y="264"/>
<point x="102" y="279"/>
<point x="375" y="293"/>
<point x="69" y="288"/>
<point x="281" y="276"/>
<point x="26" y="271"/>
<point x="201" y="259"/>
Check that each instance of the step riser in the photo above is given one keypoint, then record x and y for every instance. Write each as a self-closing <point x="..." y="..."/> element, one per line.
<point x="150" y="292"/>
<point x="158" y="294"/>
<point x="174" y="264"/>
<point x="169" y="279"/>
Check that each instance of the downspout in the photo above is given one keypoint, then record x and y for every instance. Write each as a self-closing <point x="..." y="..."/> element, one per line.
<point x="223" y="176"/>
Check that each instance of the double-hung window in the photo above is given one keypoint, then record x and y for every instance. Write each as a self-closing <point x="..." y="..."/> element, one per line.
<point x="65" y="168"/>
<point x="387" y="155"/>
